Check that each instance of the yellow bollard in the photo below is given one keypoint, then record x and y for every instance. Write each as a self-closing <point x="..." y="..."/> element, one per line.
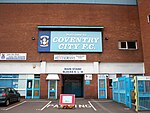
<point x="136" y="93"/>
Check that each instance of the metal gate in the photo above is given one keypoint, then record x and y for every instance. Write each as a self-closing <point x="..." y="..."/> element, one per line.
<point x="122" y="88"/>
<point x="142" y="92"/>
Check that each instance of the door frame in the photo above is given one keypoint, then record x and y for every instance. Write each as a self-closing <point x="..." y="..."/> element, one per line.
<point x="82" y="82"/>
<point x="54" y="91"/>
<point x="102" y="77"/>
<point x="32" y="88"/>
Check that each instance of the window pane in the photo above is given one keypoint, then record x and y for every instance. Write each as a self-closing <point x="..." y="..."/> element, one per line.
<point x="52" y="85"/>
<point x="131" y="45"/>
<point x="29" y="84"/>
<point x="102" y="93"/>
<point x="123" y="45"/>
<point x="36" y="83"/>
<point x="52" y="94"/>
<point x="102" y="83"/>
<point x="148" y="18"/>
<point x="110" y="82"/>
<point x="36" y="93"/>
<point x="29" y="92"/>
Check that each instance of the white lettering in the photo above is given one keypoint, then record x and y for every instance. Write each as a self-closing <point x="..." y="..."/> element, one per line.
<point x="84" y="46"/>
<point x="81" y="106"/>
<point x="68" y="46"/>
<point x="75" y="39"/>
<point x="84" y="39"/>
<point x="55" y="39"/>
<point x="60" y="46"/>
<point x="55" y="106"/>
<point x="96" y="40"/>
<point x="76" y="106"/>
<point x="91" y="46"/>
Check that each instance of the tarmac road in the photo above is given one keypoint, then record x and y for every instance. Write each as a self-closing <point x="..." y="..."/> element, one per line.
<point x="52" y="106"/>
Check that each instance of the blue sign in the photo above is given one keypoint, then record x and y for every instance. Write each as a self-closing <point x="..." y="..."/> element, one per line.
<point x="69" y="41"/>
<point x="87" y="82"/>
<point x="44" y="41"/>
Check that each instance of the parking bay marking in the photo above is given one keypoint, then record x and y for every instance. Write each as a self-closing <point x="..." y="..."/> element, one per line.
<point x="76" y="106"/>
<point x="45" y="106"/>
<point x="14" y="106"/>
<point x="92" y="106"/>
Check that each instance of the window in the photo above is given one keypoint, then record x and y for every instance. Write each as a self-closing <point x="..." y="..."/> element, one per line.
<point x="36" y="75"/>
<point x="128" y="45"/>
<point x="148" y="18"/>
<point x="110" y="83"/>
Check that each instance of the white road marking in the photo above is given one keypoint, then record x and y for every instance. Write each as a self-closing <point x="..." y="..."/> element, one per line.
<point x="14" y="106"/>
<point x="45" y="106"/>
<point x="92" y="106"/>
<point x="102" y="101"/>
<point x="37" y="101"/>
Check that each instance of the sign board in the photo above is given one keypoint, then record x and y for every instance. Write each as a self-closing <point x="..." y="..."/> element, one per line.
<point x="87" y="82"/>
<point x="13" y="56"/>
<point x="69" y="57"/>
<point x="67" y="100"/>
<point x="74" y="70"/>
<point x="88" y="77"/>
<point x="69" y="41"/>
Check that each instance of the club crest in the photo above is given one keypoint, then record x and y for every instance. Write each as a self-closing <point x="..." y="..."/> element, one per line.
<point x="44" y="40"/>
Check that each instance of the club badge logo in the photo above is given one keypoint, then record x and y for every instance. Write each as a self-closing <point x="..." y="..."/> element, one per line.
<point x="44" y="40"/>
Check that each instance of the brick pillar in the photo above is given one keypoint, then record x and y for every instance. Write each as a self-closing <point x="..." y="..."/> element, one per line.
<point x="43" y="86"/>
<point x="59" y="86"/>
<point x="91" y="91"/>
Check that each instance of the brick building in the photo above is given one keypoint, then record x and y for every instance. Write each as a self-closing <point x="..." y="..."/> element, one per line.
<point x="49" y="48"/>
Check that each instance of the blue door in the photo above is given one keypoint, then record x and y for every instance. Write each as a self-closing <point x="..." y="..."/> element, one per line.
<point x="102" y="88"/>
<point x="52" y="89"/>
<point x="29" y="89"/>
<point x="33" y="88"/>
<point x="36" y="88"/>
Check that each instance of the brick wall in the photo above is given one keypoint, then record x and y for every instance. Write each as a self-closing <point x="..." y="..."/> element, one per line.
<point x="91" y="91"/>
<point x="59" y="87"/>
<point x="144" y="10"/>
<point x="18" y="24"/>
<point x="43" y="86"/>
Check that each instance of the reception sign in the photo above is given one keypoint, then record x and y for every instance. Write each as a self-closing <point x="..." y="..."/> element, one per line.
<point x="69" y="41"/>
<point x="67" y="99"/>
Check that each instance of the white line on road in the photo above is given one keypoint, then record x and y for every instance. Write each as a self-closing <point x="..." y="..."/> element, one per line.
<point x="105" y="101"/>
<point x="37" y="101"/>
<point x="14" y="106"/>
<point x="45" y="106"/>
<point x="92" y="106"/>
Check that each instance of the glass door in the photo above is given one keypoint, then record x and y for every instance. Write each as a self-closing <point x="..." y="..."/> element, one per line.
<point x="29" y="89"/>
<point x="102" y="88"/>
<point x="36" y="89"/>
<point x="33" y="88"/>
<point x="52" y="89"/>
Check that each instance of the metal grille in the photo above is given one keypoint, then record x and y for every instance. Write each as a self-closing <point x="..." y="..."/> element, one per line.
<point x="144" y="94"/>
<point x="122" y="90"/>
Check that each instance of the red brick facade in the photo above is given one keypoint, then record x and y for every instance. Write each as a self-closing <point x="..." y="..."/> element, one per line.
<point x="18" y="25"/>
<point x="120" y="23"/>
<point x="43" y="86"/>
<point x="144" y="11"/>
<point x="91" y="91"/>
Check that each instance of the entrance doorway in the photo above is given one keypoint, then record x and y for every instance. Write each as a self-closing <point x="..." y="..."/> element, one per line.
<point x="73" y="84"/>
<point x="33" y="88"/>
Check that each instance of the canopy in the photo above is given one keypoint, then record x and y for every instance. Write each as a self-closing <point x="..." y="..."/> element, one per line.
<point x="52" y="77"/>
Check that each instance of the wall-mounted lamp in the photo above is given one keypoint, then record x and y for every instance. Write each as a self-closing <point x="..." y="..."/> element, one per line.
<point x="33" y="38"/>
<point x="106" y="38"/>
<point x="34" y="66"/>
